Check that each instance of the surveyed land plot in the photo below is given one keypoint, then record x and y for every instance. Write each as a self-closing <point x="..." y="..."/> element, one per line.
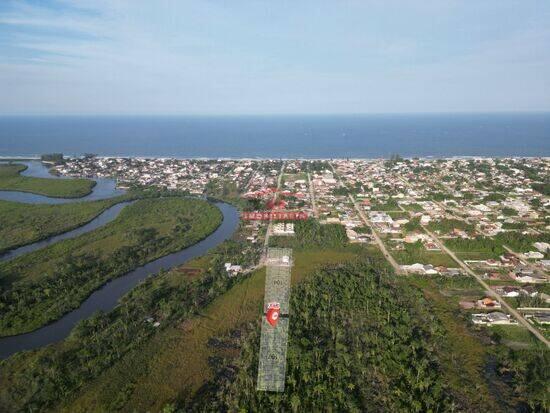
<point x="275" y="321"/>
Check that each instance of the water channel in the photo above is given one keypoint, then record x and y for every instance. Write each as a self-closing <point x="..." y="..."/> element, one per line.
<point x="106" y="297"/>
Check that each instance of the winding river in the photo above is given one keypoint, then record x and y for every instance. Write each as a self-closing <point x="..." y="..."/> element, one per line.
<point x="104" y="188"/>
<point x="106" y="297"/>
<point x="102" y="219"/>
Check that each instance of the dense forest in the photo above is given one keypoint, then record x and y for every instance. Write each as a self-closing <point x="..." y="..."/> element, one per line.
<point x="360" y="340"/>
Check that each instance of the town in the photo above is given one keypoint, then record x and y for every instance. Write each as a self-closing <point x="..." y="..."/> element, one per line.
<point x="481" y="223"/>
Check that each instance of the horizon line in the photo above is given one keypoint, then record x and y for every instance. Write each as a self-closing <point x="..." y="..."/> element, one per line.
<point x="319" y="114"/>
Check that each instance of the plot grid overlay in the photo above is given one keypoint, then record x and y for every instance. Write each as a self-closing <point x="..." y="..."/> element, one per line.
<point x="274" y="338"/>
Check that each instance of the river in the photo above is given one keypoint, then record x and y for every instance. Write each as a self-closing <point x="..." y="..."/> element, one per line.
<point x="106" y="297"/>
<point x="104" y="188"/>
<point x="104" y="218"/>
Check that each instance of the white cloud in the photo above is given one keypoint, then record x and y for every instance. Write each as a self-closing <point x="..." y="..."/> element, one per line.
<point x="196" y="57"/>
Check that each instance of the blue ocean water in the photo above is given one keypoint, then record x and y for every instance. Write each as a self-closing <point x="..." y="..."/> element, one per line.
<point x="357" y="136"/>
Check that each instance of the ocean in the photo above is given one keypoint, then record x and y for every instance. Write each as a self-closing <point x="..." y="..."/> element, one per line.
<point x="353" y="136"/>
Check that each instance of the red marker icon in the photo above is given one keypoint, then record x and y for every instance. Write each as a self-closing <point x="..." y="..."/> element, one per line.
<point x="272" y="314"/>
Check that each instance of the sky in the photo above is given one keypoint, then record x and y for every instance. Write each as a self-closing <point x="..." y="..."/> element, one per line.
<point x="164" y="57"/>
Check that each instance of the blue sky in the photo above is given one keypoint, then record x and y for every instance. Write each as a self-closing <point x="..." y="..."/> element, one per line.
<point x="273" y="57"/>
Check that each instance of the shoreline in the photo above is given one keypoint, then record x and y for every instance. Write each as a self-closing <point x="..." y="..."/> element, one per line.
<point x="262" y="158"/>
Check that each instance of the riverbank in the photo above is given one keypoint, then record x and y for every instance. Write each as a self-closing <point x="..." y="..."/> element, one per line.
<point x="212" y="299"/>
<point x="23" y="224"/>
<point x="12" y="180"/>
<point x="74" y="268"/>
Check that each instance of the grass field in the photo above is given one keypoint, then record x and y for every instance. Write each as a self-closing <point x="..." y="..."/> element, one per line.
<point x="424" y="257"/>
<point x="464" y="354"/>
<point x="517" y="337"/>
<point x="398" y="214"/>
<point x="473" y="354"/>
<point x="22" y="224"/>
<point x="474" y="256"/>
<point x="182" y="352"/>
<point x="11" y="180"/>
<point x="456" y="283"/>
<point x="290" y="177"/>
<point x="43" y="285"/>
<point x="413" y="207"/>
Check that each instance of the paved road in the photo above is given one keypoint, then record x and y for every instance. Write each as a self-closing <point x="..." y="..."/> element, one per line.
<point x="312" y="195"/>
<point x="490" y="292"/>
<point x="441" y="245"/>
<point x="377" y="238"/>
<point x="270" y="225"/>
